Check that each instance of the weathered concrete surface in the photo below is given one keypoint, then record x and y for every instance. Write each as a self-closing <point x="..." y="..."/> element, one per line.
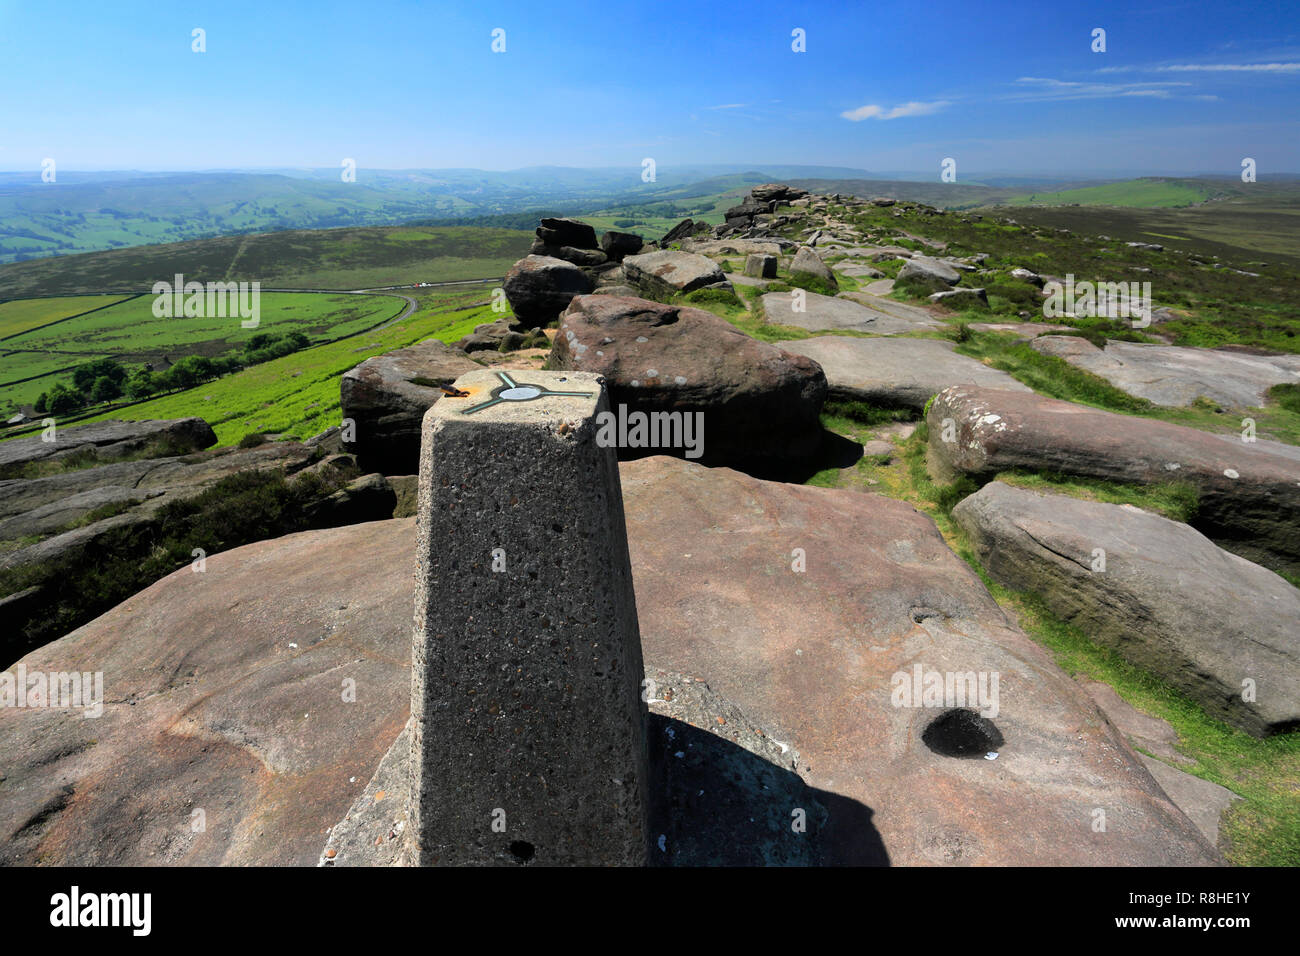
<point x="209" y="707"/>
<point x="848" y="311"/>
<point x="722" y="792"/>
<point x="894" y="372"/>
<point x="108" y="440"/>
<point x="1166" y="598"/>
<point x="809" y="657"/>
<point x="1249" y="492"/>
<point x="223" y="693"/>
<point x="387" y="396"/>
<point x="1177" y="375"/>
<point x="526" y="663"/>
<point x="759" y="403"/>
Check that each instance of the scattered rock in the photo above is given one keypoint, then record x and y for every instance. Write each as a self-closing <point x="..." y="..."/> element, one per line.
<point x="777" y="192"/>
<point x="386" y="397"/>
<point x="923" y="274"/>
<point x="760" y="266"/>
<point x="495" y="336"/>
<point x="666" y="273"/>
<point x="1165" y="598"/>
<point x="1249" y="492"/>
<point x="567" y="232"/>
<point x="539" y="288"/>
<point x="1174" y="375"/>
<point x="849" y="311"/>
<point x="759" y="402"/>
<point x="894" y="373"/>
<point x="618" y="245"/>
<point x="107" y="440"/>
<point x="805" y="260"/>
<point x="961" y="299"/>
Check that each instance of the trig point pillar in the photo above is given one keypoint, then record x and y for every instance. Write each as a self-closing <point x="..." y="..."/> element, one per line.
<point x="528" y="729"/>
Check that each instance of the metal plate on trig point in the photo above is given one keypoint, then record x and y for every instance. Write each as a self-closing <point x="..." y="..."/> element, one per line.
<point x="511" y="391"/>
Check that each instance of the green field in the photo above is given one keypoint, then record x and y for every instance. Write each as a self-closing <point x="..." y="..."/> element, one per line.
<point x="1143" y="193"/>
<point x="344" y="259"/>
<point x="298" y="395"/>
<point x="130" y="333"/>
<point x="21" y="315"/>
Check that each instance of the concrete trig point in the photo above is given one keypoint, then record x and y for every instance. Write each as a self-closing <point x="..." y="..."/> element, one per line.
<point x="528" y="728"/>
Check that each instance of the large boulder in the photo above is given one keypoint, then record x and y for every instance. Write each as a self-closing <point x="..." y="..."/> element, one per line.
<point x="759" y="402"/>
<point x="225" y="693"/>
<point x="668" y="272"/>
<point x="567" y="232"/>
<point x="386" y="398"/>
<point x="777" y="192"/>
<point x="807" y="261"/>
<point x="1249" y="492"/>
<point x="540" y="287"/>
<point x="1177" y="375"/>
<point x="105" y="441"/>
<point x="760" y="266"/>
<point x="1157" y="591"/>
<point x="846" y="312"/>
<point x="922" y="274"/>
<point x="583" y="258"/>
<point x="895" y="373"/>
<point x="619" y="245"/>
<point x="678" y="232"/>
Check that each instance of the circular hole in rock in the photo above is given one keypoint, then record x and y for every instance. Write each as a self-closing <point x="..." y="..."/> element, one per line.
<point x="522" y="850"/>
<point x="962" y="733"/>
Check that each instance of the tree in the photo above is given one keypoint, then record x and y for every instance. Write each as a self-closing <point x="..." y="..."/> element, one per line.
<point x="85" y="376"/>
<point x="42" y="403"/>
<point x="104" y="389"/>
<point x="64" y="400"/>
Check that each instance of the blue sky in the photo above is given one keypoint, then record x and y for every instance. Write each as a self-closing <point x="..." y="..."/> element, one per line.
<point x="1008" y="87"/>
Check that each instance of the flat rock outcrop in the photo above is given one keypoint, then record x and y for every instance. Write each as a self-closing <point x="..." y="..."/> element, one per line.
<point x="810" y="657"/>
<point x="387" y="396"/>
<point x="896" y="373"/>
<point x="107" y="440"/>
<point x="1159" y="592"/>
<point x="667" y="272"/>
<point x="224" y="692"/>
<point x="539" y="288"/>
<point x="848" y="311"/>
<point x="1177" y="375"/>
<point x="1249" y="492"/>
<point x="759" y="402"/>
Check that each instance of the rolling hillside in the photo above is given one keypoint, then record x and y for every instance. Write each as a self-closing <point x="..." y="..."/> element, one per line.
<point x="312" y="259"/>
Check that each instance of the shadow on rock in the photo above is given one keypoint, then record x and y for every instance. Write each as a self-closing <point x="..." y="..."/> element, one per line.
<point x="714" y="803"/>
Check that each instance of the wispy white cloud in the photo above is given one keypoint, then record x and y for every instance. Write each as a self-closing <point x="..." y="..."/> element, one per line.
<point x="1207" y="68"/>
<point x="1046" y="88"/>
<point x="728" y="106"/>
<point x="871" y="111"/>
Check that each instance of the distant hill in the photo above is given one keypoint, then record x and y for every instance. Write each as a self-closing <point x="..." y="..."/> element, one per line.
<point x="88" y="212"/>
<point x="296" y="259"/>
